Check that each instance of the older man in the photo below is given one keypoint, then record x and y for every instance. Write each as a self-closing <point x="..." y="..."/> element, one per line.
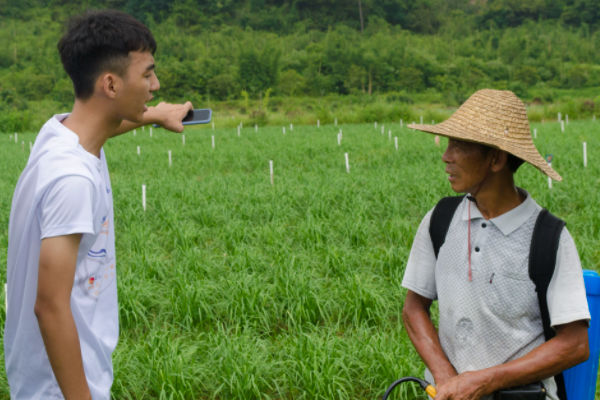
<point x="498" y="327"/>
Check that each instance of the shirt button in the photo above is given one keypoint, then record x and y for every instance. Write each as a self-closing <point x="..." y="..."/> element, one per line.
<point x="477" y="249"/>
<point x="483" y="225"/>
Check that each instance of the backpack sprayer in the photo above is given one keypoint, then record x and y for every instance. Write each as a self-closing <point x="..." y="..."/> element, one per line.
<point x="426" y="386"/>
<point x="535" y="391"/>
<point x="580" y="381"/>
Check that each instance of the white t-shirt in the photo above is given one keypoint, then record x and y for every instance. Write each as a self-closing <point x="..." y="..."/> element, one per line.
<point x="63" y="190"/>
<point x="495" y="317"/>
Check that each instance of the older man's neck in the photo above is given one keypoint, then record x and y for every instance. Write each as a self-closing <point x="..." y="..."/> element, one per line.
<point x="498" y="195"/>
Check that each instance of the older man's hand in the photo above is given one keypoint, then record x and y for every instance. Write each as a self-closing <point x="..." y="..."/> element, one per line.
<point x="466" y="386"/>
<point x="169" y="116"/>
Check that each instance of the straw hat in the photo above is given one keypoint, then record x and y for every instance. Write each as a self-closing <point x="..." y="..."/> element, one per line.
<point x="496" y="118"/>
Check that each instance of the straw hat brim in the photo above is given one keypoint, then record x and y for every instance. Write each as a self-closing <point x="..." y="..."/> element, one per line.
<point x="525" y="151"/>
<point x="495" y="118"/>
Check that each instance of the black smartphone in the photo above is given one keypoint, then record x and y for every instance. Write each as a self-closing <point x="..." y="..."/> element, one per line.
<point x="193" y="117"/>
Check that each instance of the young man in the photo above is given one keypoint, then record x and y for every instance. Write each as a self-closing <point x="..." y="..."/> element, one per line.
<point x="62" y="321"/>
<point x="491" y="333"/>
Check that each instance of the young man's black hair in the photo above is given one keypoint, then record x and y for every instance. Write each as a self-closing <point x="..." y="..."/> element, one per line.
<point x="100" y="41"/>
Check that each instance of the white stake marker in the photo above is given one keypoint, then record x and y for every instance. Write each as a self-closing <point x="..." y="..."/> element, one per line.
<point x="567" y="119"/>
<point x="150" y="131"/>
<point x="562" y="126"/>
<point x="342" y="136"/>
<point x="169" y="158"/>
<point x="347" y="163"/>
<point x="22" y="146"/>
<point x="134" y="132"/>
<point x="10" y="137"/>
<point x="15" y="137"/>
<point x="213" y="126"/>
<point x="138" y="150"/>
<point x="183" y="138"/>
<point x="271" y="170"/>
<point x="213" y="142"/>
<point x="144" y="197"/>
<point x="400" y="123"/>
<point x="143" y="128"/>
<point x="535" y="133"/>
<point x="390" y="135"/>
<point x="318" y="123"/>
<point x="432" y="123"/>
<point x="382" y="129"/>
<point x="336" y="122"/>
<point x="241" y="125"/>
<point x="30" y="145"/>
<point x="255" y="128"/>
<point x="559" y="117"/>
<point x="238" y="130"/>
<point x="396" y="142"/>
<point x="291" y="127"/>
<point x="550" y="179"/>
<point x="284" y="130"/>
<point x="584" y="154"/>
<point x="421" y="120"/>
<point x="339" y="139"/>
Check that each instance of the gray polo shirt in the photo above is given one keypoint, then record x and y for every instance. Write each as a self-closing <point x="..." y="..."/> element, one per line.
<point x="495" y="318"/>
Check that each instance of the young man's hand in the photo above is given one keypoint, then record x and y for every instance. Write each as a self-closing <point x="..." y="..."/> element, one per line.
<point x="466" y="386"/>
<point x="169" y="116"/>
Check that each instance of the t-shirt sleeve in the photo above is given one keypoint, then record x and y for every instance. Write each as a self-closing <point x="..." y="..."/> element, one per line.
<point x="420" y="269"/>
<point x="67" y="207"/>
<point x="566" y="295"/>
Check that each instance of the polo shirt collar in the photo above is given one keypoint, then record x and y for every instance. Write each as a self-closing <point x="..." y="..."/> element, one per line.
<point x="510" y="220"/>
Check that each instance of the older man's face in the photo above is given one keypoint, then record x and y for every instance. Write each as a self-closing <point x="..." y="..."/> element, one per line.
<point x="466" y="163"/>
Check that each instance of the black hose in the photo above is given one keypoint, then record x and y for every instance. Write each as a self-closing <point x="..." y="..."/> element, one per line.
<point x="421" y="382"/>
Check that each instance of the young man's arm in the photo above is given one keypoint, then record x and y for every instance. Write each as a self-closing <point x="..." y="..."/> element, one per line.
<point x="568" y="348"/>
<point x="424" y="337"/>
<point x="169" y="116"/>
<point x="58" y="259"/>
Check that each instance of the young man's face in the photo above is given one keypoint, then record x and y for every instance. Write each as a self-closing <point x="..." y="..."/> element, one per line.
<point x="466" y="163"/>
<point x="138" y="84"/>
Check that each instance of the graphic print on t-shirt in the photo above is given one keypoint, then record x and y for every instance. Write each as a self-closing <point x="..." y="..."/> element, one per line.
<point x="98" y="270"/>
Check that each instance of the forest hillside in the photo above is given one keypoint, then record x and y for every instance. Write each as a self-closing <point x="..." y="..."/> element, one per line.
<point x="247" y="54"/>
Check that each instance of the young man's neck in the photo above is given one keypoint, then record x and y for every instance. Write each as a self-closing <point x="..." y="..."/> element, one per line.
<point x="93" y="123"/>
<point x="498" y="195"/>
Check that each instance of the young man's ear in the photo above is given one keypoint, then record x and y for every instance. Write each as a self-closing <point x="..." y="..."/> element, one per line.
<point x="110" y="84"/>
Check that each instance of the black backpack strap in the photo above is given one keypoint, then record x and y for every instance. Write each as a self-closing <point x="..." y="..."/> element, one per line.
<point x="441" y="219"/>
<point x="542" y="262"/>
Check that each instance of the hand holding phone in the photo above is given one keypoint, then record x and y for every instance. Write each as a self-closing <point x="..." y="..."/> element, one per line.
<point x="193" y="117"/>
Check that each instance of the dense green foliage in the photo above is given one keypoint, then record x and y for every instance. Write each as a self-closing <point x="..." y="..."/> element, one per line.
<point x="317" y="50"/>
<point x="231" y="288"/>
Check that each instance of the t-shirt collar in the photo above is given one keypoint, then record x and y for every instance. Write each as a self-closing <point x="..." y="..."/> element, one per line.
<point x="72" y="137"/>
<point x="510" y="220"/>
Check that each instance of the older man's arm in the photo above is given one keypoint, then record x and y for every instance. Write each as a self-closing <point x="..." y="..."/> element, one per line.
<point x="425" y="337"/>
<point x="568" y="348"/>
<point x="168" y="116"/>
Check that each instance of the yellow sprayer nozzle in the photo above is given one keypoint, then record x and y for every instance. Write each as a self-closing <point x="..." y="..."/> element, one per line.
<point x="430" y="390"/>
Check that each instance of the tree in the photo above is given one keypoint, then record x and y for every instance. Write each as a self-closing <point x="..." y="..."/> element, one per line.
<point x="291" y="82"/>
<point x="259" y="70"/>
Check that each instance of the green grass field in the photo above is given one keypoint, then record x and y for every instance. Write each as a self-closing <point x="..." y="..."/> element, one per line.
<point x="231" y="288"/>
